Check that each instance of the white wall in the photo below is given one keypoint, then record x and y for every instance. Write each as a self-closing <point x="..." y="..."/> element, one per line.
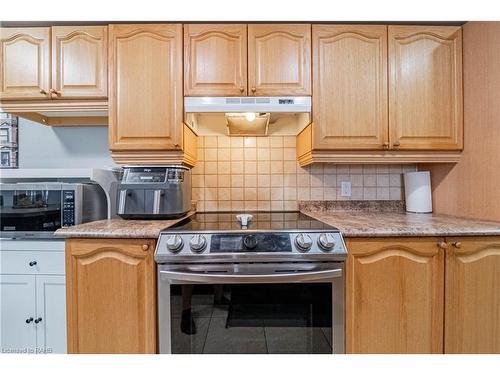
<point x="62" y="147"/>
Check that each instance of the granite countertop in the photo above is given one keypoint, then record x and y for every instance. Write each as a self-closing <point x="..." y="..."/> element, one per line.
<point x="352" y="218"/>
<point x="370" y="219"/>
<point x="119" y="228"/>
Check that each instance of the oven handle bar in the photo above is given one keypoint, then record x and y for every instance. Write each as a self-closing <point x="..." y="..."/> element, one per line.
<point x="249" y="278"/>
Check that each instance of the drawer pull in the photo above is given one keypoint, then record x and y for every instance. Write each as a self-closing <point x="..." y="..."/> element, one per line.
<point x="38" y="320"/>
<point x="29" y="320"/>
<point x="33" y="263"/>
<point x="145" y="247"/>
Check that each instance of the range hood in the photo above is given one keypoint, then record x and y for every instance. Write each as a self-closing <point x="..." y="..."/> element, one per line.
<point x="248" y="116"/>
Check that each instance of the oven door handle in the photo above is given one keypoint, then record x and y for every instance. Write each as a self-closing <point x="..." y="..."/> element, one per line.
<point x="249" y="278"/>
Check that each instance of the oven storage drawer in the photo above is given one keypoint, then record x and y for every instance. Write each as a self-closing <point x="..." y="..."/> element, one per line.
<point x="32" y="262"/>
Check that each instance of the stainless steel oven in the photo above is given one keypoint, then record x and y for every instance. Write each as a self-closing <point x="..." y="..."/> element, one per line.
<point x="275" y="287"/>
<point x="38" y="209"/>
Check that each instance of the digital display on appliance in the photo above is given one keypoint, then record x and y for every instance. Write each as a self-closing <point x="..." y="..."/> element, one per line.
<point x="256" y="243"/>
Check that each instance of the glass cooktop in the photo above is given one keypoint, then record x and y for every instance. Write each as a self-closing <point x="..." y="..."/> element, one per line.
<point x="226" y="221"/>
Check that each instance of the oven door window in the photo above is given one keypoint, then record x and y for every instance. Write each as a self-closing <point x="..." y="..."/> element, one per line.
<point x="30" y="210"/>
<point x="251" y="318"/>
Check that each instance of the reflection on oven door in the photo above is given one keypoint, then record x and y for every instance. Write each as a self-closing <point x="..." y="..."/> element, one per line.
<point x="251" y="318"/>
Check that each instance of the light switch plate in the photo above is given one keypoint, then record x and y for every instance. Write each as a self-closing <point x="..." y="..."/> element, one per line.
<point x="345" y="188"/>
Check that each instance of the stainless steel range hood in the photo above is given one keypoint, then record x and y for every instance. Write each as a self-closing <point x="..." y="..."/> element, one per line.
<point x="248" y="116"/>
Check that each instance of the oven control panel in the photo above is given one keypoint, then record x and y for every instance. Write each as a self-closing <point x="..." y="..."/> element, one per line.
<point x="172" y="245"/>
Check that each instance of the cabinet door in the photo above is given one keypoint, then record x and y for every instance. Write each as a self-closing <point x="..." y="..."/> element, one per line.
<point x="51" y="308"/>
<point x="279" y="59"/>
<point x="25" y="63"/>
<point x="350" y="87"/>
<point x="394" y="296"/>
<point x="425" y="87"/>
<point x="145" y="107"/>
<point x="79" y="62"/>
<point x="472" y="319"/>
<point x="17" y="307"/>
<point x="215" y="60"/>
<point x="111" y="296"/>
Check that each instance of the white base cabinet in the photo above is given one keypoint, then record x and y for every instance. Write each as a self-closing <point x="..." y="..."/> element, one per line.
<point x="32" y="301"/>
<point x="17" y="311"/>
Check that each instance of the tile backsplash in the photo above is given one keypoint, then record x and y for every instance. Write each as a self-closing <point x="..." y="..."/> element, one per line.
<point x="262" y="173"/>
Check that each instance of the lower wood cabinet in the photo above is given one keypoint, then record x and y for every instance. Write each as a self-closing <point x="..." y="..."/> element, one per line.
<point x="111" y="295"/>
<point x="472" y="300"/>
<point x="423" y="295"/>
<point x="394" y="296"/>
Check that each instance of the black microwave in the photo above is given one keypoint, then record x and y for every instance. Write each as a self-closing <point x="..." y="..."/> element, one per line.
<point x="39" y="209"/>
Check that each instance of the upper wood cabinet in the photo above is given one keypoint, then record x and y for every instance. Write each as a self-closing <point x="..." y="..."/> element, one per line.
<point x="79" y="62"/>
<point x="425" y="87"/>
<point x="25" y="63"/>
<point x="279" y="59"/>
<point x="394" y="296"/>
<point x="111" y="296"/>
<point x="60" y="62"/>
<point x="472" y="313"/>
<point x="350" y="87"/>
<point x="217" y="57"/>
<point x="215" y="60"/>
<point x="145" y="107"/>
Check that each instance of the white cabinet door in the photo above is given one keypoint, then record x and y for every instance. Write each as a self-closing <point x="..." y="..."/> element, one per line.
<point x="17" y="307"/>
<point x="51" y="309"/>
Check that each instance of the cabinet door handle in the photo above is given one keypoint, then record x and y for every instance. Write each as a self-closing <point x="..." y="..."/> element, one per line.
<point x="33" y="263"/>
<point x="442" y="245"/>
<point x="457" y="244"/>
<point x="242" y="88"/>
<point x="38" y="320"/>
<point x="396" y="144"/>
<point x="254" y="89"/>
<point x="145" y="247"/>
<point x="55" y="92"/>
<point x="386" y="144"/>
<point x="43" y="92"/>
<point x="29" y="320"/>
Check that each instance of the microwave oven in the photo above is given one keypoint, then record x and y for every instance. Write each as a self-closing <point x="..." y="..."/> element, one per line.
<point x="37" y="210"/>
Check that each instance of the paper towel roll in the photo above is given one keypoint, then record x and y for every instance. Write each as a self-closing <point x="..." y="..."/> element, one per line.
<point x="418" y="192"/>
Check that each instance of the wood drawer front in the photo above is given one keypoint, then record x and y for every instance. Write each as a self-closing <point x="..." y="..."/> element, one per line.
<point x="18" y="262"/>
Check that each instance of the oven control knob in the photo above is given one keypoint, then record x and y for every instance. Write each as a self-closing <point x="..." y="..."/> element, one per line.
<point x="326" y="241"/>
<point x="250" y="241"/>
<point x="174" y="243"/>
<point x="197" y="243"/>
<point x="303" y="242"/>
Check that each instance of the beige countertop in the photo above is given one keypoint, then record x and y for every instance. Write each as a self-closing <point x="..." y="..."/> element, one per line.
<point x="355" y="219"/>
<point x="390" y="224"/>
<point x="119" y="228"/>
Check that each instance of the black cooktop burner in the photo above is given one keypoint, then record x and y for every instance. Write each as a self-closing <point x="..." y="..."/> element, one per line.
<point x="226" y="221"/>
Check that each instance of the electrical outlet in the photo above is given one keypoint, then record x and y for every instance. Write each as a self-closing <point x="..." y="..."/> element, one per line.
<point x="345" y="188"/>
